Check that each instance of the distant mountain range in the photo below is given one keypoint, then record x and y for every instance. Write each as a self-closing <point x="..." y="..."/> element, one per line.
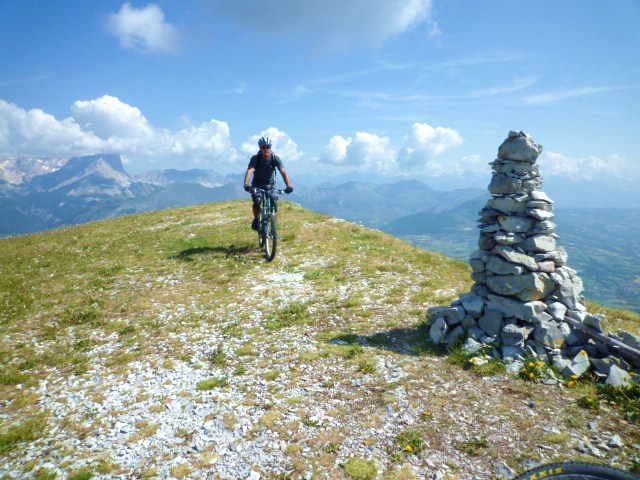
<point x="43" y="193"/>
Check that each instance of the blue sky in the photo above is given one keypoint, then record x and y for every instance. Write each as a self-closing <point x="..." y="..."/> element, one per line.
<point x="417" y="88"/>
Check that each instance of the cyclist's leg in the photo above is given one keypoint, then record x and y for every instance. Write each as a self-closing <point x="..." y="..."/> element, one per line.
<point x="256" y="211"/>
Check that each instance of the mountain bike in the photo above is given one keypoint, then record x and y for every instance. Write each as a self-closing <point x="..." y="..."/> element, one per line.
<point x="268" y="226"/>
<point x="576" y="471"/>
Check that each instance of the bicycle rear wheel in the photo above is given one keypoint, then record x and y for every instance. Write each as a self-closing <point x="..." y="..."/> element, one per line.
<point x="270" y="238"/>
<point x="576" y="471"/>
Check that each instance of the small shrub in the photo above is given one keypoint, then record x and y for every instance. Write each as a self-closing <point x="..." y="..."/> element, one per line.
<point x="410" y="442"/>
<point x="82" y="475"/>
<point x="627" y="398"/>
<point x="535" y="370"/>
<point x="367" y="365"/>
<point x="45" y="474"/>
<point x="181" y="471"/>
<point x="212" y="383"/>
<point x="218" y="357"/>
<point x="474" y="446"/>
<point x="360" y="469"/>
<point x="591" y="402"/>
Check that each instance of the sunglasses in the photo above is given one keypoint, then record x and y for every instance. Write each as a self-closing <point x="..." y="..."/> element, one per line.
<point x="266" y="147"/>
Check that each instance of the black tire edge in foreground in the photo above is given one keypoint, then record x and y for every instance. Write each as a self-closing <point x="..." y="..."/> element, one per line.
<point x="576" y="471"/>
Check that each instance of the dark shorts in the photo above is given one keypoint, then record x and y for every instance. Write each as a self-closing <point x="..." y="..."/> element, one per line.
<point x="257" y="199"/>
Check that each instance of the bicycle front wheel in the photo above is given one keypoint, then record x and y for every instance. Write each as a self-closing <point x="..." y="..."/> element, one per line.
<point x="576" y="471"/>
<point x="270" y="238"/>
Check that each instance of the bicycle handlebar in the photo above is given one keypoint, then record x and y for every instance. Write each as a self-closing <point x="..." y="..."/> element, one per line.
<point x="277" y="190"/>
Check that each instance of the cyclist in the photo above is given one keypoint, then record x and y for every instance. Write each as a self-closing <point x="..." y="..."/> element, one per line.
<point x="262" y="167"/>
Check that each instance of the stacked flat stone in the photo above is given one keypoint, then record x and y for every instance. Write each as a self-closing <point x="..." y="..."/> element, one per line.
<point x="524" y="291"/>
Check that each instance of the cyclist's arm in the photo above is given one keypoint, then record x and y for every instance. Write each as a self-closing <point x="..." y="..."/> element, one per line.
<point x="248" y="175"/>
<point x="285" y="176"/>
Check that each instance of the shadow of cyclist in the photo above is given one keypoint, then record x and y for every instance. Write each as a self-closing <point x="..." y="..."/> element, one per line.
<point x="188" y="254"/>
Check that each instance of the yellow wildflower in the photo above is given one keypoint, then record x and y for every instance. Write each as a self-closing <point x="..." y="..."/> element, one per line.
<point x="531" y="375"/>
<point x="531" y="364"/>
<point x="409" y="448"/>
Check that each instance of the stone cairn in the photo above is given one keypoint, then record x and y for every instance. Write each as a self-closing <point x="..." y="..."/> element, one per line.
<point x="526" y="302"/>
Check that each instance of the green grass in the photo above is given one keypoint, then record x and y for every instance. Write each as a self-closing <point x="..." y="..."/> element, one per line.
<point x="145" y="284"/>
<point x="26" y="431"/>
<point x="212" y="384"/>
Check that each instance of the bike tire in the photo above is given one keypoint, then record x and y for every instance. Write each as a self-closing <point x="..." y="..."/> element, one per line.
<point x="576" y="471"/>
<point x="270" y="238"/>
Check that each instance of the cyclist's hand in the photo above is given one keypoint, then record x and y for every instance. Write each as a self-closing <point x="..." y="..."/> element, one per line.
<point x="288" y="189"/>
<point x="247" y="188"/>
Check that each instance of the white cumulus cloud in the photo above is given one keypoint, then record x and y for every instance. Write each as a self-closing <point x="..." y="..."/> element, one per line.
<point x="424" y="141"/>
<point x="108" y="117"/>
<point x="331" y="23"/>
<point x="282" y="145"/>
<point x="37" y="132"/>
<point x="364" y="151"/>
<point x="588" y="168"/>
<point x="143" y="29"/>
<point x="108" y="125"/>
<point x="419" y="153"/>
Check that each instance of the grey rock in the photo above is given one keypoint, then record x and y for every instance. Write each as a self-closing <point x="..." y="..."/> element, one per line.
<point x="514" y="352"/>
<point x="597" y="321"/>
<point x="491" y="228"/>
<point x="477" y="265"/>
<point x="527" y="287"/>
<point x="539" y="243"/>
<point x="468" y="322"/>
<point x="491" y="322"/>
<point x="602" y="365"/>
<point x="629" y="338"/>
<point x="453" y="336"/>
<point x="435" y="312"/>
<point x="524" y="311"/>
<point x="509" y="254"/>
<point x="504" y="470"/>
<point x="557" y="310"/>
<point x="575" y="338"/>
<point x="520" y="147"/>
<point x="471" y="346"/>
<point x="486" y="241"/>
<point x="540" y="214"/>
<point x="539" y="195"/>
<point x="438" y="331"/>
<point x="577" y="366"/>
<point x="618" y="377"/>
<point x="549" y="335"/>
<point x="508" y="205"/>
<point x="539" y="205"/>
<point x="516" y="223"/>
<point x="515" y="169"/>
<point x="503" y="185"/>
<point x="499" y="265"/>
<point x="472" y="303"/>
<point x="614" y="442"/>
<point x="547" y="267"/>
<point x="512" y="335"/>
<point x="560" y="362"/>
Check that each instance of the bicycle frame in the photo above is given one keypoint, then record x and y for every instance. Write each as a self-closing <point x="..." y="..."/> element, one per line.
<point x="268" y="231"/>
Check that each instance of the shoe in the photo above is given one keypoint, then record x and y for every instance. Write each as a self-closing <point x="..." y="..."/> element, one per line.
<point x="255" y="224"/>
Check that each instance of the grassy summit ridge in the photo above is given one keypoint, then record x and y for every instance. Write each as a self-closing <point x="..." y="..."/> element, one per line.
<point x="323" y="346"/>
